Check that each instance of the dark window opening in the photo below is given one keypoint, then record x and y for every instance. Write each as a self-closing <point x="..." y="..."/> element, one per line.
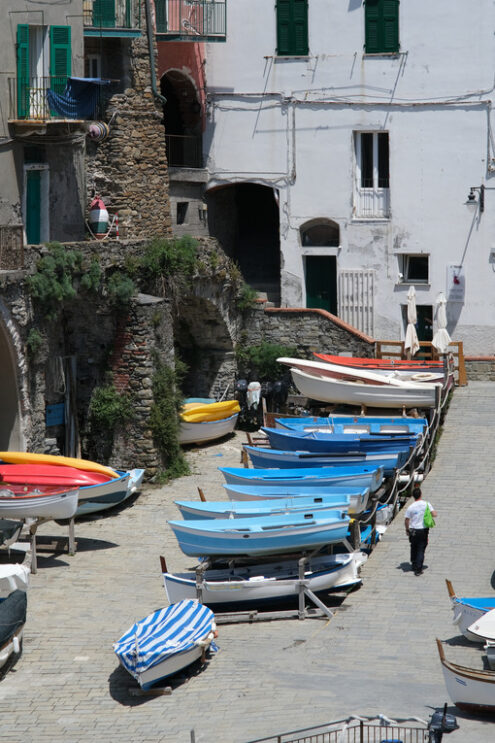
<point x="415" y="268"/>
<point x="322" y="234"/>
<point x="182" y="211"/>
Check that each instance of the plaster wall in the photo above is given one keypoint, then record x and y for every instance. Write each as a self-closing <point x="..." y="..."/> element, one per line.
<point x="290" y="123"/>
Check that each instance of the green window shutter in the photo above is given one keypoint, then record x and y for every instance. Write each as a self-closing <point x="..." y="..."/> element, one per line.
<point x="33" y="206"/>
<point x="22" y="70"/>
<point x="292" y="27"/>
<point x="60" y="57"/>
<point x="381" y="27"/>
<point x="391" y="25"/>
<point x="161" y="16"/>
<point x="104" y="13"/>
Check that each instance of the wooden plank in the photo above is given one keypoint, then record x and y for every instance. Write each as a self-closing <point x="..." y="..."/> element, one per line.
<point x="236" y="617"/>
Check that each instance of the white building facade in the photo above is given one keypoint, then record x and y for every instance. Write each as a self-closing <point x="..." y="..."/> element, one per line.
<point x="371" y="125"/>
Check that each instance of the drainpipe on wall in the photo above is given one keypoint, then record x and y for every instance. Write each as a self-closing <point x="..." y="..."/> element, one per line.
<point x="149" y="29"/>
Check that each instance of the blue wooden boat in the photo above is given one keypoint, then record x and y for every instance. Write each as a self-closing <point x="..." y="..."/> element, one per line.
<point x="264" y="457"/>
<point x="351" y="475"/>
<point x="330" y="443"/>
<point x="265" y="535"/>
<point x="357" y="497"/>
<point x="468" y="609"/>
<point x="231" y="509"/>
<point x="387" y="426"/>
<point x="166" y="641"/>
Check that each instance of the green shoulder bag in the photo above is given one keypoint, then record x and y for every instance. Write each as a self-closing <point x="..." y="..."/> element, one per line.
<point x="428" y="520"/>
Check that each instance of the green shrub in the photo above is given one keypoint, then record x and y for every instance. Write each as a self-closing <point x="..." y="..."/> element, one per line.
<point x="246" y="297"/>
<point x="53" y="283"/>
<point x="120" y="289"/>
<point x="164" y="258"/>
<point x="107" y="410"/>
<point x="261" y="360"/>
<point x="34" y="341"/>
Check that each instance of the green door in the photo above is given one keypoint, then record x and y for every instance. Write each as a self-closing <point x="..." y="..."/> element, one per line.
<point x="33" y="207"/>
<point x="321" y="282"/>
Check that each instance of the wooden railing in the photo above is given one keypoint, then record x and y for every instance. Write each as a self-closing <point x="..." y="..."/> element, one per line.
<point x="395" y="349"/>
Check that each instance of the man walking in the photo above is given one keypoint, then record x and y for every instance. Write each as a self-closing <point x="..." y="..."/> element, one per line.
<point x="416" y="531"/>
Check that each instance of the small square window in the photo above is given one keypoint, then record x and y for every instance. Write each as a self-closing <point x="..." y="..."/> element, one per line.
<point x="415" y="269"/>
<point x="182" y="211"/>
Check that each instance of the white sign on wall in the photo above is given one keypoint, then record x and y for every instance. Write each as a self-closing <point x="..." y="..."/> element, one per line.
<point x="456" y="284"/>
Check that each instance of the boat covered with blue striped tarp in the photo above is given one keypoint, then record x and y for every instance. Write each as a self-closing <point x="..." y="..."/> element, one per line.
<point x="378" y="425"/>
<point x="353" y="475"/>
<point x="325" y="442"/>
<point x="264" y="457"/>
<point x="166" y="641"/>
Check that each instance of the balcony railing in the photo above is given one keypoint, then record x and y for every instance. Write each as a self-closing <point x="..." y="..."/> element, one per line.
<point x="111" y="14"/>
<point x="372" y="203"/>
<point x="184" y="151"/>
<point x="192" y="20"/>
<point x="29" y="99"/>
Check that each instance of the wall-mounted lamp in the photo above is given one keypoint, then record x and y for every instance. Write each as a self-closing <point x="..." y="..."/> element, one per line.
<point x="471" y="199"/>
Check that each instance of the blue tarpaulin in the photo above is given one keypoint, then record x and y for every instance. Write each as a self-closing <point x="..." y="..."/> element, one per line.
<point x="79" y="99"/>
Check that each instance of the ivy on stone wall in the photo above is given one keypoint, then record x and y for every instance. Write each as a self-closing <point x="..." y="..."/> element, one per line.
<point x="164" y="417"/>
<point x="108" y="409"/>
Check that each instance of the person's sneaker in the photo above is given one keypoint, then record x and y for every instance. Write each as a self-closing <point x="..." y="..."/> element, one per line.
<point x="418" y="572"/>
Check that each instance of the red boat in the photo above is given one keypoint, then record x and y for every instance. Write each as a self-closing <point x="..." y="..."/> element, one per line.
<point x="49" y="475"/>
<point x="383" y="364"/>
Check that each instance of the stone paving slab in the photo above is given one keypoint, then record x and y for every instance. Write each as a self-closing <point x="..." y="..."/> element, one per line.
<point x="377" y="655"/>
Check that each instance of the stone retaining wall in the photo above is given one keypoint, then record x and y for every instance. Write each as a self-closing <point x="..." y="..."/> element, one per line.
<point x="480" y="368"/>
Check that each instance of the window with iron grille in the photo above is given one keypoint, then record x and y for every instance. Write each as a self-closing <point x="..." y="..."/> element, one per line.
<point x="372" y="190"/>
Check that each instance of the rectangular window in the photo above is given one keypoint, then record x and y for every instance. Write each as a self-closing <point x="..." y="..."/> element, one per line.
<point x="381" y="26"/>
<point x="372" y="197"/>
<point x="292" y="28"/>
<point x="92" y="65"/>
<point x="414" y="268"/>
<point x="182" y="211"/>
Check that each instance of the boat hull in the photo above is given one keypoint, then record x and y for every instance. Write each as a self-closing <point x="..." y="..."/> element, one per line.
<point x="356" y="393"/>
<point x="263" y="457"/>
<point x="62" y="505"/>
<point x="261" y="536"/>
<point x="12" y="620"/>
<point x="318" y="477"/>
<point x="253" y="585"/>
<point x="337" y="443"/>
<point x="194" y="510"/>
<point x="357" y="498"/>
<point x="49" y="475"/>
<point x="467" y="614"/>
<point x="198" y="433"/>
<point x="392" y="426"/>
<point x="23" y="457"/>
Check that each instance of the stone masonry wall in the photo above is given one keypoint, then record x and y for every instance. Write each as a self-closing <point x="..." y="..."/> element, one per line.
<point x="129" y="169"/>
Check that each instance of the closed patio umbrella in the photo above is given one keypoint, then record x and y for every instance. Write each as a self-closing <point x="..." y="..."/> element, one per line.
<point x="411" y="343"/>
<point x="441" y="339"/>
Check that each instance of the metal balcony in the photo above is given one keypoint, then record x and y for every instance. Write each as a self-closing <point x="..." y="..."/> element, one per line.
<point x="112" y="18"/>
<point x="29" y="100"/>
<point x="191" y="20"/>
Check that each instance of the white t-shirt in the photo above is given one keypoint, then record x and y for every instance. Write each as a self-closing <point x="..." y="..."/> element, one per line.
<point x="416" y="513"/>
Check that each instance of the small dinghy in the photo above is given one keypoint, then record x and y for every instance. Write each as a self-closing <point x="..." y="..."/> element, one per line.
<point x="97" y="498"/>
<point x="367" y="363"/>
<point x="252" y="584"/>
<point x="166" y="641"/>
<point x="191" y="510"/>
<point x="356" y="498"/>
<point x="60" y="504"/>
<point x="355" y="475"/>
<point x="470" y="689"/>
<point x="323" y="442"/>
<point x="207" y="422"/>
<point x="288" y="532"/>
<point x="264" y="457"/>
<point x="483" y="628"/>
<point x="468" y="610"/>
<point x="12" y="619"/>
<point x="377" y="425"/>
<point x="52" y="475"/>
<point x="23" y="457"/>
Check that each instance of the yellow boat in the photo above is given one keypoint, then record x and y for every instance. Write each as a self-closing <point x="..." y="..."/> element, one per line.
<point x="25" y="457"/>
<point x="200" y="413"/>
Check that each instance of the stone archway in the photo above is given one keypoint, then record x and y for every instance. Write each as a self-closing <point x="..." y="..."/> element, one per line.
<point x="244" y="217"/>
<point x="204" y="336"/>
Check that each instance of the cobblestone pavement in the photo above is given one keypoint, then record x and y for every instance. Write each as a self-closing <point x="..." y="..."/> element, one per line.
<point x="377" y="655"/>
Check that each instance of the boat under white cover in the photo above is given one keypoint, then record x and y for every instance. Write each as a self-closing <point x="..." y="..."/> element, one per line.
<point x="483" y="628"/>
<point x="200" y="432"/>
<point x="469" y="689"/>
<point x="328" y="389"/>
<point x="57" y="505"/>
<point x="256" y="583"/>
<point x="13" y="577"/>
